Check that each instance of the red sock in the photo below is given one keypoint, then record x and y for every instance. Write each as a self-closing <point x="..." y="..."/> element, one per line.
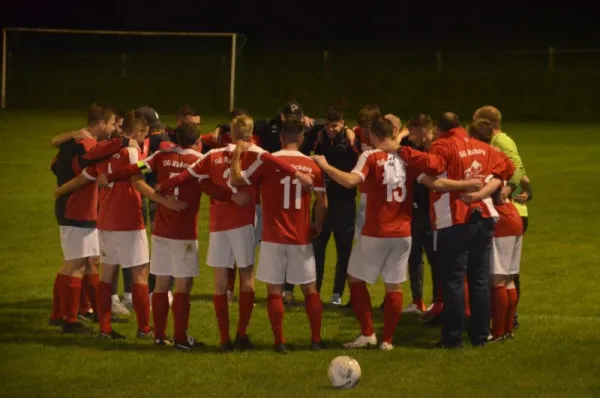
<point x="231" y="278"/>
<point x="104" y="306"/>
<point x="141" y="305"/>
<point x="69" y="299"/>
<point x="160" y="313"/>
<point x="513" y="300"/>
<point x="181" y="316"/>
<point x="84" y="301"/>
<point x="314" y="310"/>
<point x="56" y="313"/>
<point x="391" y="314"/>
<point x="500" y="300"/>
<point x="361" y="304"/>
<point x="275" y="311"/>
<point x="222" y="312"/>
<point x="246" y="305"/>
<point x="91" y="283"/>
<point x="467" y="304"/>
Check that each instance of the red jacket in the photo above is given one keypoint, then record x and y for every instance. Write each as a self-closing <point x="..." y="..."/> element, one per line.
<point x="455" y="156"/>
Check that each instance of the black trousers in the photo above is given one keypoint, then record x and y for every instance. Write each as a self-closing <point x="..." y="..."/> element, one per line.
<point x="465" y="249"/>
<point x="422" y="241"/>
<point x="339" y="221"/>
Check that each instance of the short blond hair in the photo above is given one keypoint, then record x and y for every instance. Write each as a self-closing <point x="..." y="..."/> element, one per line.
<point x="490" y="113"/>
<point x="242" y="127"/>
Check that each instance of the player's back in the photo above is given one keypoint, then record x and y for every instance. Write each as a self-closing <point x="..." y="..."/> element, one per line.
<point x="78" y="208"/>
<point x="470" y="159"/>
<point x="286" y="206"/>
<point x="120" y="203"/>
<point x="227" y="215"/>
<point x="388" y="184"/>
<point x="172" y="224"/>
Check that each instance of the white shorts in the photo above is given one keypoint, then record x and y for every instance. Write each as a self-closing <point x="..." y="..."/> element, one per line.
<point x="174" y="257"/>
<point x="77" y="242"/>
<point x="387" y="257"/>
<point x="125" y="248"/>
<point x="258" y="223"/>
<point x="235" y="246"/>
<point x="279" y="263"/>
<point x="506" y="255"/>
<point x="360" y="215"/>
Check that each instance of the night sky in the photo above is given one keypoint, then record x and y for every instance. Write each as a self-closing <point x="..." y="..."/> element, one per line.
<point x="505" y="24"/>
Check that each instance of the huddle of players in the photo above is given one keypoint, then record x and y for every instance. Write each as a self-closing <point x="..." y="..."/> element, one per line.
<point x="235" y="176"/>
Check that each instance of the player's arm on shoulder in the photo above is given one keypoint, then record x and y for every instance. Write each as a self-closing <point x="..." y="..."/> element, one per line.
<point x="169" y="202"/>
<point x="345" y="179"/>
<point x="235" y="176"/>
<point x="441" y="184"/>
<point x="64" y="137"/>
<point x="433" y="162"/>
<point x="103" y="149"/>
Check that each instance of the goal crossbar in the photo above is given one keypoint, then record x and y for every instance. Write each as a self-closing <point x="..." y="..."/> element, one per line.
<point x="120" y="33"/>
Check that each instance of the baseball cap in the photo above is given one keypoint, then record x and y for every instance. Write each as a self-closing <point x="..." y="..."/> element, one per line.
<point x="151" y="117"/>
<point x="292" y="108"/>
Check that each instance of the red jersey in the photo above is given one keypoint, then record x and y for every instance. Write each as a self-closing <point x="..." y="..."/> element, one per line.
<point x="80" y="208"/>
<point x="456" y="156"/>
<point x="510" y="222"/>
<point x="286" y="206"/>
<point x="215" y="165"/>
<point x="165" y="164"/>
<point x="388" y="184"/>
<point x="120" y="203"/>
<point x="365" y="144"/>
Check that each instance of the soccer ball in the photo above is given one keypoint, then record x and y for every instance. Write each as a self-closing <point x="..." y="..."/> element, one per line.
<point x="344" y="372"/>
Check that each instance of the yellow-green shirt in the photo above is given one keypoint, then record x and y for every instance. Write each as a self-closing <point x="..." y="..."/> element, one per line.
<point x="508" y="146"/>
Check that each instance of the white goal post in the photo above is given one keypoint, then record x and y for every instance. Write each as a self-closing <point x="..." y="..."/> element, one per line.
<point x="233" y="37"/>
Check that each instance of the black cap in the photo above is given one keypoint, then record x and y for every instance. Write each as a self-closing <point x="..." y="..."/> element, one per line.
<point x="151" y="117"/>
<point x="292" y="108"/>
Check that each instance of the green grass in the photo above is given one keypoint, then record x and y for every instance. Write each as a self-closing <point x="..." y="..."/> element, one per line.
<point x="556" y="352"/>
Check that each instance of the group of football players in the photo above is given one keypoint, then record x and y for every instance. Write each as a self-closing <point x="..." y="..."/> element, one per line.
<point x="261" y="179"/>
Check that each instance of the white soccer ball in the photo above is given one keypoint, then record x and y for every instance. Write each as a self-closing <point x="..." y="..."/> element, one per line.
<point x="344" y="372"/>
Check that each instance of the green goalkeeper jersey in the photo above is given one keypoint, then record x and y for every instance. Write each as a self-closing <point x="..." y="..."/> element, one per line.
<point x="508" y="146"/>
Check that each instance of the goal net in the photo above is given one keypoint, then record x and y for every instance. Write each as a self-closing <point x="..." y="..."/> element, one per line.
<point x="64" y="69"/>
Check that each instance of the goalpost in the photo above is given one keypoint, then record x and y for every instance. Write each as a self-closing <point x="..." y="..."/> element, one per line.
<point x="232" y="36"/>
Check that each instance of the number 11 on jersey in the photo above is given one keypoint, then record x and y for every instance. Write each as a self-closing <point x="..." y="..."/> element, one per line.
<point x="287" y="187"/>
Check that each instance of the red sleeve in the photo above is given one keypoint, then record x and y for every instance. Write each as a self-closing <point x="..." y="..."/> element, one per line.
<point x="255" y="171"/>
<point x="124" y="173"/>
<point x="208" y="140"/>
<point x="90" y="172"/>
<point x="256" y="140"/>
<point x="176" y="180"/>
<point x="319" y="181"/>
<point x="201" y="168"/>
<point x="363" y="165"/>
<point x="501" y="166"/>
<point x="102" y="149"/>
<point x="215" y="191"/>
<point x="278" y="163"/>
<point x="433" y="162"/>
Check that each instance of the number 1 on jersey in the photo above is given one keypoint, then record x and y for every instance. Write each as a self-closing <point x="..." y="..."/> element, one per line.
<point x="112" y="184"/>
<point x="287" y="187"/>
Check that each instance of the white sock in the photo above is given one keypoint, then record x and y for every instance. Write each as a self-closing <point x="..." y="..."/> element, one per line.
<point x="114" y="298"/>
<point x="127" y="297"/>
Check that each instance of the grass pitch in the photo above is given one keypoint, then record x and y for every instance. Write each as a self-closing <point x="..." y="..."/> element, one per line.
<point x="556" y="351"/>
